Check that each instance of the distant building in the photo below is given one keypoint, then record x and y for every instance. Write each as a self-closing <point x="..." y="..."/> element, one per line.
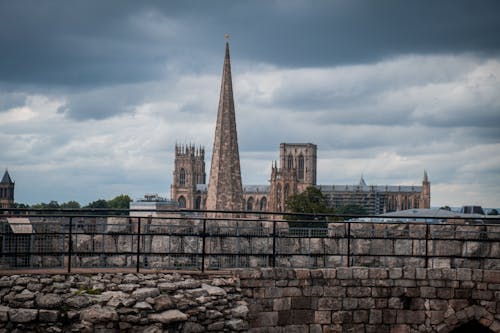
<point x="296" y="171"/>
<point x="6" y="191"/>
<point x="151" y="205"/>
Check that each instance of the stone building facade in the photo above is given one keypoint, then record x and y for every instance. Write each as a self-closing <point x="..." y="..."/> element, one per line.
<point x="6" y="191"/>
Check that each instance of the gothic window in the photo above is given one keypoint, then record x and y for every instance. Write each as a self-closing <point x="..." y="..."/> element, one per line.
<point x="300" y="169"/>
<point x="290" y="162"/>
<point x="263" y="204"/>
<point x="278" y="197"/>
<point x="286" y="192"/>
<point x="182" y="177"/>
<point x="250" y="204"/>
<point x="182" y="202"/>
<point x="197" y="204"/>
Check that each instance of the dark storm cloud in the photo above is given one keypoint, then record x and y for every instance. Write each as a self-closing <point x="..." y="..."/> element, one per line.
<point x="74" y="43"/>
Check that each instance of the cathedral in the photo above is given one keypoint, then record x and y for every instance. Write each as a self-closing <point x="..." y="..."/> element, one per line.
<point x="297" y="170"/>
<point x="6" y="191"/>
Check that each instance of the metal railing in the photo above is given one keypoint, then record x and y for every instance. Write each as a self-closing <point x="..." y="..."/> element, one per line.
<point x="195" y="240"/>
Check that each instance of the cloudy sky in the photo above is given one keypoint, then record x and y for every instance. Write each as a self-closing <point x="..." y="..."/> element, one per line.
<point x="95" y="94"/>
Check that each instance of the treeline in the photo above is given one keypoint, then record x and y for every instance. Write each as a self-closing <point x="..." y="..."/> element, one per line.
<point x="121" y="201"/>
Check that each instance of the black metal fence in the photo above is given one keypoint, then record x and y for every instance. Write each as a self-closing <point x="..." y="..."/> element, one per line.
<point x="218" y="240"/>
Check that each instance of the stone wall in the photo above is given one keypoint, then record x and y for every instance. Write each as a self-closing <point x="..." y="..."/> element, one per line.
<point x="121" y="303"/>
<point x="370" y="299"/>
<point x="352" y="299"/>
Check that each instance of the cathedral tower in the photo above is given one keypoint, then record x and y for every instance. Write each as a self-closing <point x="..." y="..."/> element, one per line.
<point x="189" y="171"/>
<point x="225" y="191"/>
<point x="425" y="199"/>
<point x="6" y="191"/>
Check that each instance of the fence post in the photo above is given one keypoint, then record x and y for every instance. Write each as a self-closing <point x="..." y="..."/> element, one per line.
<point x="427" y="245"/>
<point x="274" y="244"/>
<point x="348" y="244"/>
<point x="70" y="243"/>
<point x="203" y="242"/>
<point x="138" y="244"/>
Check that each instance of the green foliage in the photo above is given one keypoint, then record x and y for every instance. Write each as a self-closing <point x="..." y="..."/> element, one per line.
<point x="70" y="205"/>
<point x="121" y="201"/>
<point x="351" y="210"/>
<point x="446" y="208"/>
<point x="91" y="291"/>
<point x="99" y="204"/>
<point x="311" y="201"/>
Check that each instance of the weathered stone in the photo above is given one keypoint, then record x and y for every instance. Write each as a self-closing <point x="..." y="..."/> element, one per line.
<point x="4" y="313"/>
<point x="237" y="325"/>
<point x="240" y="311"/>
<point x="128" y="287"/>
<point x="49" y="316"/>
<point x="98" y="314"/>
<point x="77" y="301"/>
<point x="168" y="316"/>
<point x="143" y="293"/>
<point x="143" y="306"/>
<point x="163" y="302"/>
<point x="24" y="296"/>
<point x="22" y="315"/>
<point x="192" y="327"/>
<point x="214" y="291"/>
<point x="49" y="301"/>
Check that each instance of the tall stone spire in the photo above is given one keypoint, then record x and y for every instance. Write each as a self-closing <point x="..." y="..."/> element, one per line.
<point x="225" y="191"/>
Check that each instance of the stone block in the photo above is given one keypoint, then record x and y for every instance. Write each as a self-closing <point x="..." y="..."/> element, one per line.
<point x="301" y="302"/>
<point x="329" y="303"/>
<point x="349" y="303"/>
<point x="359" y="291"/>
<point x="23" y="315"/>
<point x="334" y="291"/>
<point x="295" y="317"/>
<point x="340" y="317"/>
<point x="377" y="273"/>
<point x="282" y="304"/>
<point x="445" y="293"/>
<point x="395" y="273"/>
<point x="375" y="316"/>
<point x="410" y="317"/>
<point x="265" y="319"/>
<point x="491" y="276"/>
<point x="360" y="316"/>
<point x="292" y="292"/>
<point x="48" y="316"/>
<point x="344" y="273"/>
<point x="273" y="292"/>
<point x="482" y="294"/>
<point x="360" y="273"/>
<point x="322" y="317"/>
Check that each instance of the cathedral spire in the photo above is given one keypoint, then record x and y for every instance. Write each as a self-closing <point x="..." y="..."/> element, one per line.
<point x="225" y="191"/>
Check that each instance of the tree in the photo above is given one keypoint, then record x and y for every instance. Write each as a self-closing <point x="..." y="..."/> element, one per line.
<point x="121" y="201"/>
<point x="351" y="210"/>
<point x="70" y="205"/>
<point x="312" y="201"/>
<point x="100" y="203"/>
<point x="446" y="208"/>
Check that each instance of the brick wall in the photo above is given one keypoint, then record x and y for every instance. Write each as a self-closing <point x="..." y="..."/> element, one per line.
<point x="370" y="299"/>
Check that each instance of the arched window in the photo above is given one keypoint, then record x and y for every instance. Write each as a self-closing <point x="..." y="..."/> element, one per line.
<point x="286" y="192"/>
<point x="182" y="177"/>
<point x="182" y="202"/>
<point x="300" y="169"/>
<point x="278" y="198"/>
<point x="290" y="162"/>
<point x="250" y="204"/>
<point x="263" y="204"/>
<point x="197" y="204"/>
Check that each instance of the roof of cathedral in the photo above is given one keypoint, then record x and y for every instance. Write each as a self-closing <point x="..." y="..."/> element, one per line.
<point x="369" y="188"/>
<point x="256" y="188"/>
<point x="6" y="178"/>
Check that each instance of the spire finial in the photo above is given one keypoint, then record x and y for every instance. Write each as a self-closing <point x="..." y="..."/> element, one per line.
<point x="226" y="36"/>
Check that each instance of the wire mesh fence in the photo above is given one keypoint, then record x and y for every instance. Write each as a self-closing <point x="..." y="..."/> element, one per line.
<point x="201" y="242"/>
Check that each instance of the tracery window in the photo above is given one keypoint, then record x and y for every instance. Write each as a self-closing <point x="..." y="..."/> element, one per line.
<point x="300" y="169"/>
<point x="182" y="202"/>
<point x="290" y="162"/>
<point x="182" y="177"/>
<point x="250" y="204"/>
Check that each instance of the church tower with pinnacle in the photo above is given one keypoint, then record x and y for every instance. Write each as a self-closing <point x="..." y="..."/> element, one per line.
<point x="225" y="191"/>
